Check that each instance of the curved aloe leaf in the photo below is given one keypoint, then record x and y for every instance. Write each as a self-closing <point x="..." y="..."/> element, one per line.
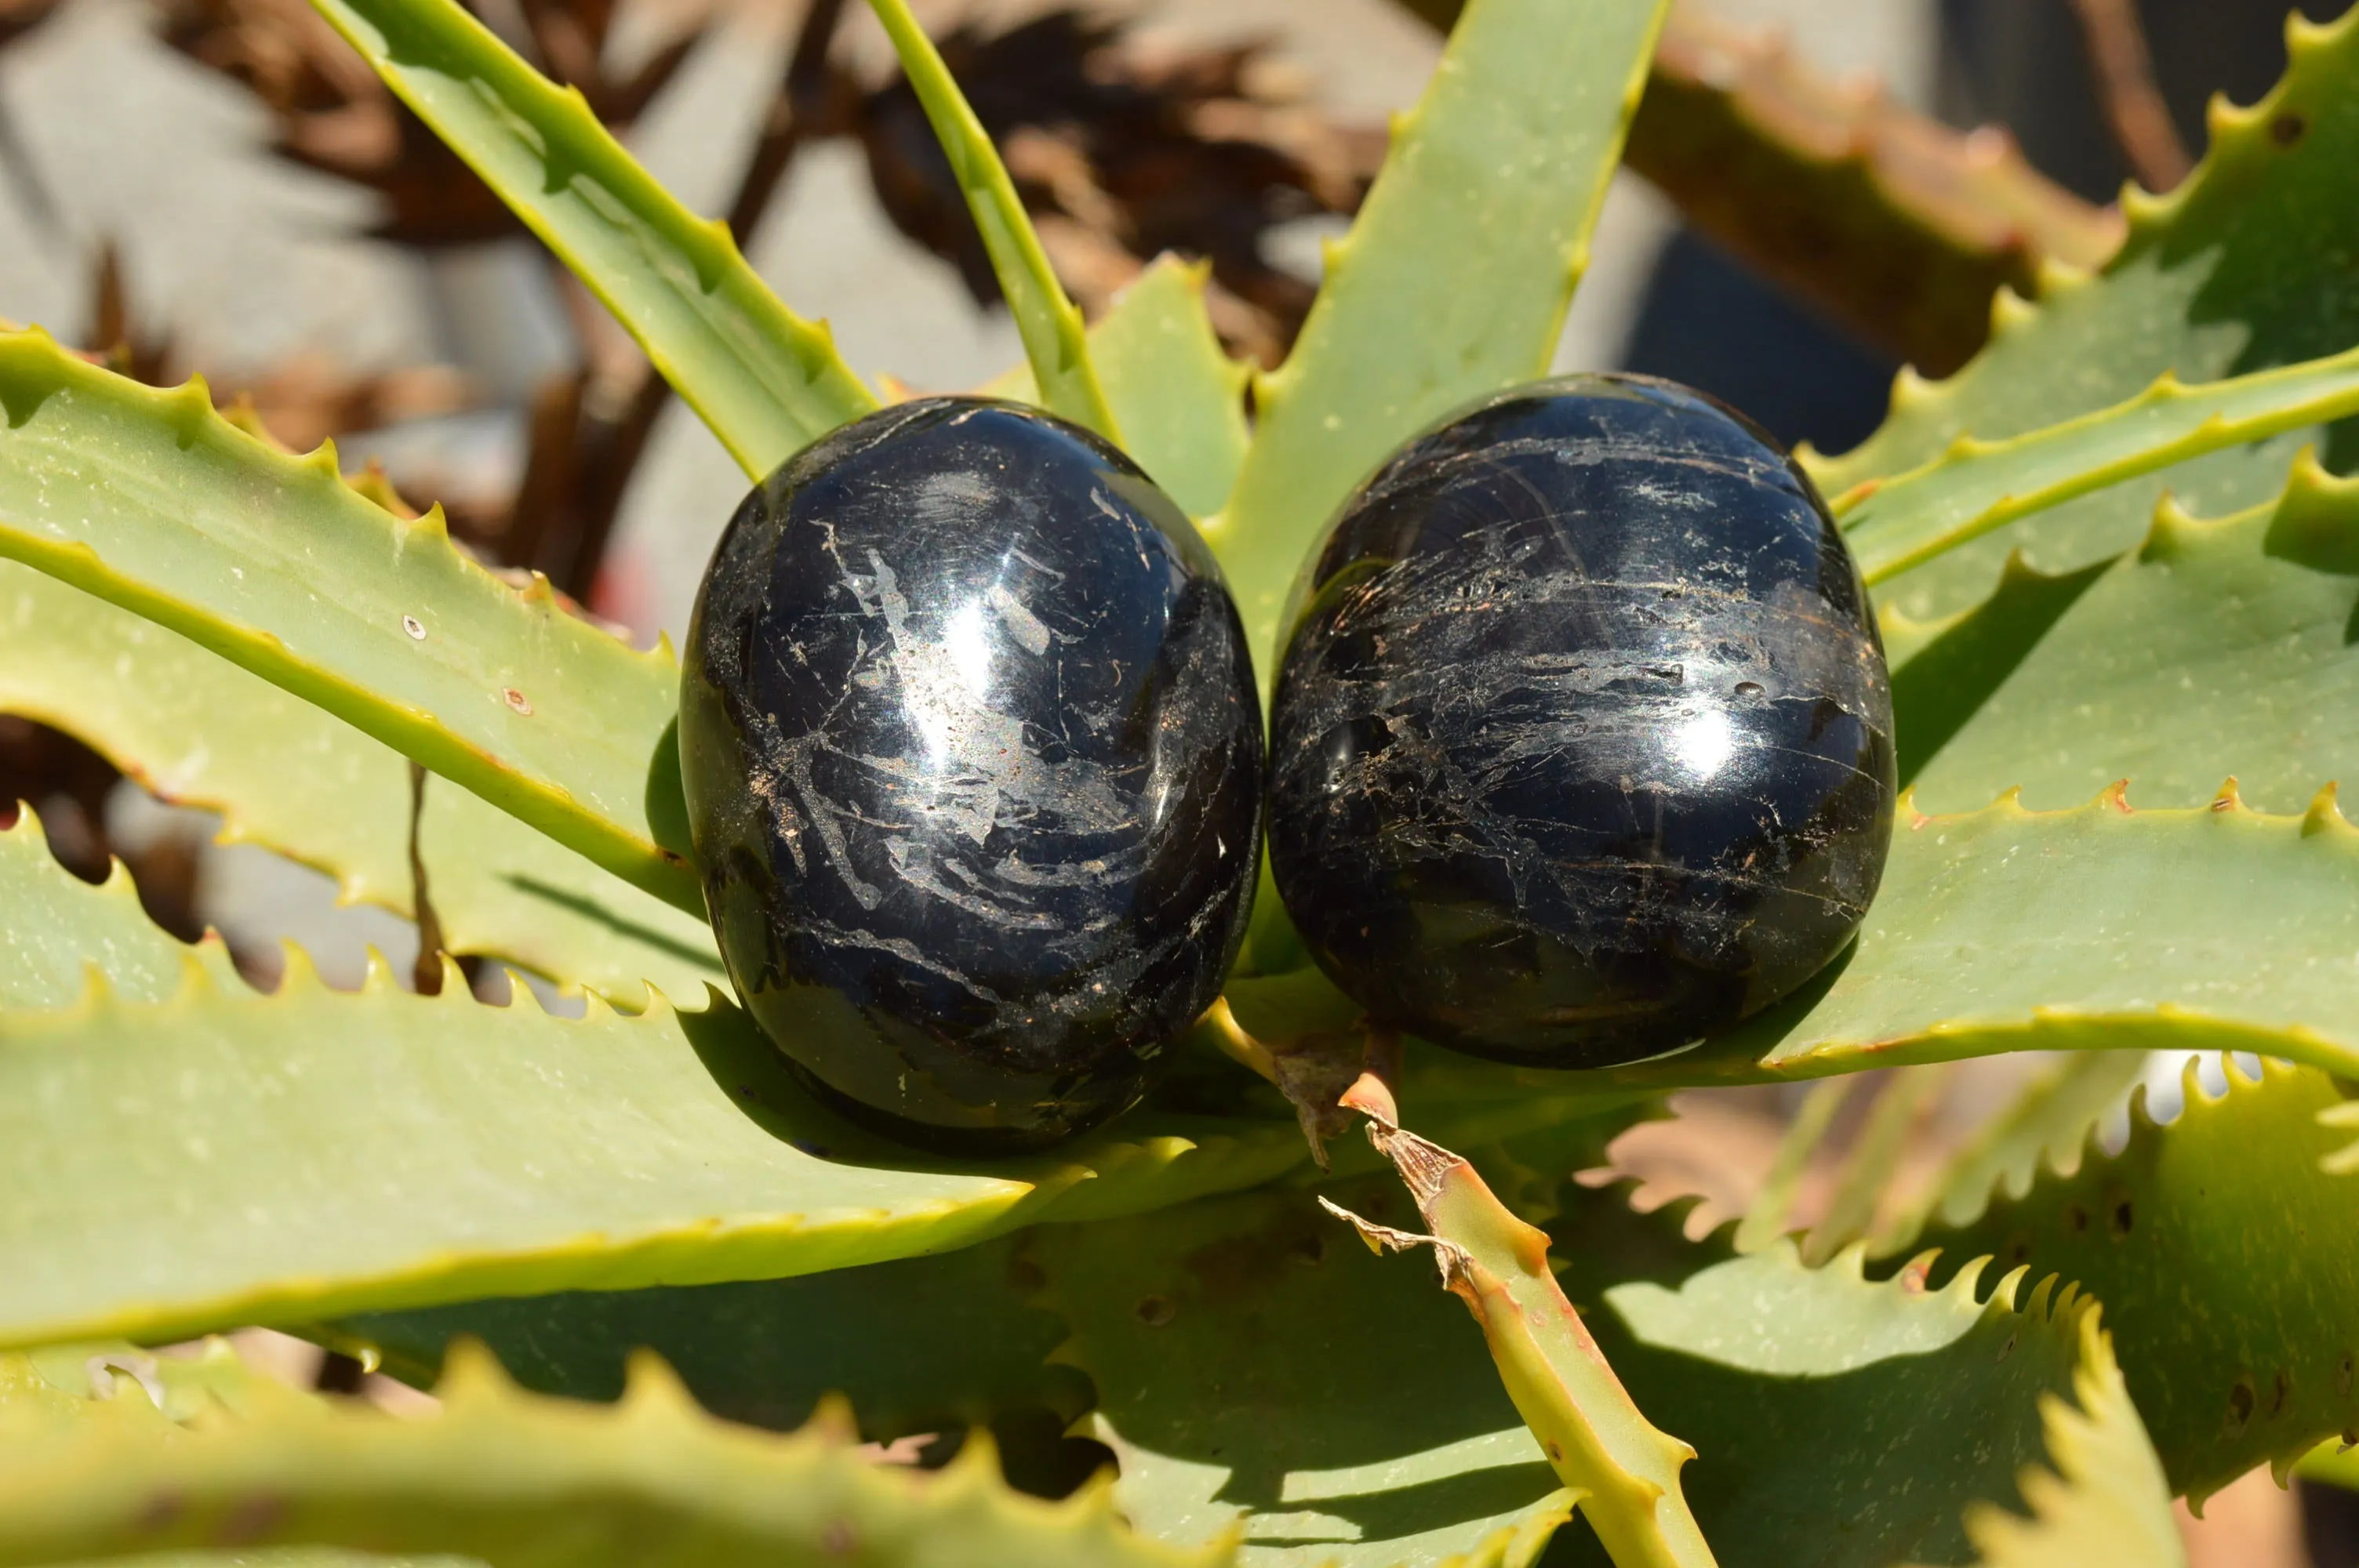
<point x="1974" y="487"/>
<point x="2207" y="284"/>
<point x="153" y="502"/>
<point x="916" y="1344"/>
<point x="2049" y="1121"/>
<point x="1046" y="319"/>
<point x="1454" y="279"/>
<point x="2104" y="1501"/>
<point x="2102" y="927"/>
<point x="1178" y="396"/>
<point x="510" y="1476"/>
<point x="331" y="1152"/>
<point x="2215" y="647"/>
<point x="2213" y="1244"/>
<point x="58" y="929"/>
<point x="196" y="729"/>
<point x="766" y="380"/>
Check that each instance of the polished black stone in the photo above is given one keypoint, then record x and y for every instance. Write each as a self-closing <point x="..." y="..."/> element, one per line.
<point x="1582" y="743"/>
<point x="971" y="756"/>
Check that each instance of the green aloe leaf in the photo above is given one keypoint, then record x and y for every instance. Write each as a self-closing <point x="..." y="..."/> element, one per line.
<point x="196" y="729"/>
<point x="2099" y="927"/>
<point x="1812" y="1394"/>
<point x="59" y="930"/>
<point x="2207" y="284"/>
<point x="226" y="1157"/>
<point x="1257" y="1369"/>
<point x="2213" y="648"/>
<point x="508" y="1476"/>
<point x="2214" y="1242"/>
<point x="2102" y="927"/>
<point x="1046" y="319"/>
<point x="1974" y="487"/>
<point x="916" y="1344"/>
<point x="1176" y="395"/>
<point x="2104" y="1501"/>
<point x="766" y="380"/>
<point x="1454" y="279"/>
<point x="2048" y="1121"/>
<point x="153" y="502"/>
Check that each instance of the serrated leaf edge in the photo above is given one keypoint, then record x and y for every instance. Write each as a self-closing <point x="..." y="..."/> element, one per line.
<point x="189" y="410"/>
<point x="2238" y="140"/>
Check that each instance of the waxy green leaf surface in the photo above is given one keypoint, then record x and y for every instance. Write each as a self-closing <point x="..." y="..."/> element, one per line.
<point x="1454" y="280"/>
<point x="2214" y="648"/>
<point x="1255" y="1366"/>
<point x="1976" y="487"/>
<point x="916" y="1344"/>
<point x="2216" y="1244"/>
<point x="152" y="500"/>
<point x="58" y="932"/>
<point x="227" y="1157"/>
<point x="197" y="730"/>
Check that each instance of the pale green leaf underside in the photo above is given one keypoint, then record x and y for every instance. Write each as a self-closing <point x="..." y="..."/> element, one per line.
<point x="56" y="929"/>
<point x="1178" y="396"/>
<point x="228" y="1157"/>
<point x="766" y="382"/>
<point x="1044" y="319"/>
<point x="511" y="1477"/>
<point x="1454" y="279"/>
<point x="2242" y="268"/>
<point x="2216" y="1244"/>
<point x="196" y="729"/>
<point x="2104" y="1500"/>
<point x="1975" y="487"/>
<point x="151" y="501"/>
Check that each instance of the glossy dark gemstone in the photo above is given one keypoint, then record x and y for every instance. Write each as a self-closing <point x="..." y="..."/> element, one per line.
<point x="971" y="756"/>
<point x="1582" y="743"/>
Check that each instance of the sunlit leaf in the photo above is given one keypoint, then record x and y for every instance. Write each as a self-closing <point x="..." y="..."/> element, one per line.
<point x="226" y="1157"/>
<point x="1047" y="321"/>
<point x="57" y="931"/>
<point x="766" y="380"/>
<point x="196" y="729"/>
<point x="2239" y="269"/>
<point x="150" y="500"/>
<point x="1454" y="279"/>
<point x="2215" y="1243"/>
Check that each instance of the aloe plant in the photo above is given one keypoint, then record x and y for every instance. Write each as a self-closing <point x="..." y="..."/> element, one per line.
<point x="2115" y="581"/>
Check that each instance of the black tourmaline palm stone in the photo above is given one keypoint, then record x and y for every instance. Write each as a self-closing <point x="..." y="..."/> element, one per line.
<point x="973" y="760"/>
<point x="1582" y="743"/>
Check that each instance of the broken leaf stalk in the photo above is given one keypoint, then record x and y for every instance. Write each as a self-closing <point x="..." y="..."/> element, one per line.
<point x="1625" y="1474"/>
